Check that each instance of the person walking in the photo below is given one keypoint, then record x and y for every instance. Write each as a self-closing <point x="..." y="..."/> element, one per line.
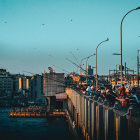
<point x="88" y="90"/>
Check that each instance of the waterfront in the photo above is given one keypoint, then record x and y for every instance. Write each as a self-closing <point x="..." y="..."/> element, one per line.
<point x="33" y="128"/>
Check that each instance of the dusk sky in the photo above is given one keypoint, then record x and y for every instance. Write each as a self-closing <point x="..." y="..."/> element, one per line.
<point x="36" y="34"/>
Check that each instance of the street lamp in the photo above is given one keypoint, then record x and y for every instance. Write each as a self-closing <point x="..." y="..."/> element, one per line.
<point x="81" y="65"/>
<point x="138" y="66"/>
<point x="86" y="61"/>
<point x="121" y="38"/>
<point x="115" y="53"/>
<point x="88" y="58"/>
<point x="96" y="60"/>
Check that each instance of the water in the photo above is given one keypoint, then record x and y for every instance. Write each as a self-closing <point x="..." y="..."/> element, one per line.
<point x="33" y="128"/>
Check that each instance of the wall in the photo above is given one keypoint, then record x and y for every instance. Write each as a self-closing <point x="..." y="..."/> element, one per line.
<point x="95" y="121"/>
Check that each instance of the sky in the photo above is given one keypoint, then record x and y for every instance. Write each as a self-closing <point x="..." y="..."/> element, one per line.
<point x="37" y="34"/>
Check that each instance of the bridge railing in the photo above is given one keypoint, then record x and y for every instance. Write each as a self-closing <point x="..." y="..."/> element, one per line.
<point x="97" y="121"/>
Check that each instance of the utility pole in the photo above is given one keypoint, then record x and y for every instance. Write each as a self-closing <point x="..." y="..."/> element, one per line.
<point x="138" y="67"/>
<point x="130" y="76"/>
<point x="133" y="78"/>
<point x="117" y="73"/>
<point x="116" y="76"/>
<point x="125" y="71"/>
<point x="110" y="77"/>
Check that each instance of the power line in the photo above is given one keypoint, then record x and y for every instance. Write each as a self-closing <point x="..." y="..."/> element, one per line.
<point x="56" y="80"/>
<point x="76" y="65"/>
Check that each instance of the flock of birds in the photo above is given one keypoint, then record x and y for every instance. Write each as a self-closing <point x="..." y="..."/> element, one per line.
<point x="43" y="24"/>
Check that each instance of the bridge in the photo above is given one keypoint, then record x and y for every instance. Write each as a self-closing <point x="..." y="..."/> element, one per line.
<point x="88" y="118"/>
<point x="95" y="121"/>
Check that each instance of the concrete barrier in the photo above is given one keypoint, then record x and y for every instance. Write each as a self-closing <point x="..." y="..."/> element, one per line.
<point x="93" y="119"/>
<point x="133" y="127"/>
<point x="97" y="121"/>
<point x="108" y="121"/>
<point x="120" y="125"/>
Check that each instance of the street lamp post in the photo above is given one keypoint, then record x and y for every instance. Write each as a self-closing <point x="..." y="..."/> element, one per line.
<point x="81" y="65"/>
<point x="116" y="73"/>
<point x="121" y="40"/>
<point x="96" y="60"/>
<point x="86" y="61"/>
<point x="88" y="58"/>
<point x="138" y="66"/>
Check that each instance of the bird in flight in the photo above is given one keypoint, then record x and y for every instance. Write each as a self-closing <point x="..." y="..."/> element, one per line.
<point x="43" y="24"/>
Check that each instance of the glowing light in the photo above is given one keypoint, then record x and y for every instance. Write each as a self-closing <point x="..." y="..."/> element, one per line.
<point x="20" y="83"/>
<point x="27" y="83"/>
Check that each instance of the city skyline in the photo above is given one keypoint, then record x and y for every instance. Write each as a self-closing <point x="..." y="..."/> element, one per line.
<point x="37" y="34"/>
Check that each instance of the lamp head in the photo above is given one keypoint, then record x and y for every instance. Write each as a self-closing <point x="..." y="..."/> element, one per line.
<point x="137" y="8"/>
<point x="116" y="54"/>
<point x="107" y="39"/>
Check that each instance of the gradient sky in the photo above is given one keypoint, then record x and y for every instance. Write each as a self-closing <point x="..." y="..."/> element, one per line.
<point x="36" y="34"/>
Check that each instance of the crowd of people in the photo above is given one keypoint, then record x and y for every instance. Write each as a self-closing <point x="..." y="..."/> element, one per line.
<point x="108" y="94"/>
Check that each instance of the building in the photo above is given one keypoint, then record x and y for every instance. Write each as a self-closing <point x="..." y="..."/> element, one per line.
<point x="53" y="83"/>
<point x="89" y="70"/>
<point x="24" y="85"/>
<point x="77" y="79"/>
<point x="37" y="89"/>
<point x="6" y="84"/>
<point x="132" y="82"/>
<point x="16" y="90"/>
